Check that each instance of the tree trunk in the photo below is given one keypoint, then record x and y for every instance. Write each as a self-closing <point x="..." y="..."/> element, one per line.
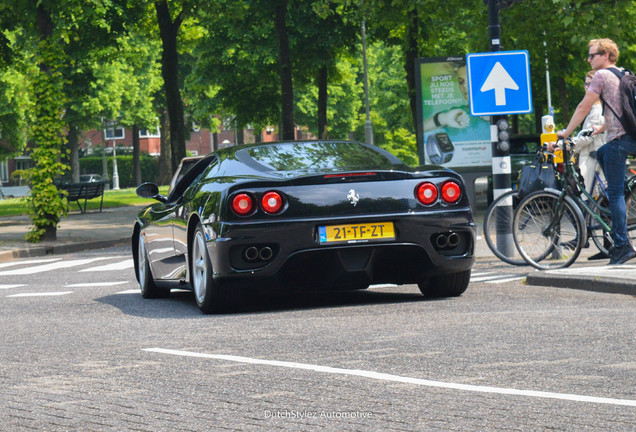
<point x="136" y="155"/>
<point x="165" y="158"/>
<point x="73" y="143"/>
<point x="44" y="221"/>
<point x="169" y="30"/>
<point x="563" y="95"/>
<point x="411" y="55"/>
<point x="284" y="63"/>
<point x="239" y="137"/>
<point x="322" y="102"/>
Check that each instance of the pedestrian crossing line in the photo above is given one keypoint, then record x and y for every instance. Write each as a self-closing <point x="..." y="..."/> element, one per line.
<point x="137" y="291"/>
<point x="481" y="274"/>
<point x="2" y="287"/>
<point x="35" y="261"/>
<point x="94" y="284"/>
<point x="51" y="266"/>
<point x="511" y="279"/>
<point x="380" y="286"/>
<point x="487" y="278"/>
<point x="497" y="278"/>
<point x="122" y="265"/>
<point x="41" y="294"/>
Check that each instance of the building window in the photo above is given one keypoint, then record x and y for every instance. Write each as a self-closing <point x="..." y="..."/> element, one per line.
<point x="150" y="133"/>
<point x="114" y="133"/>
<point x="23" y="163"/>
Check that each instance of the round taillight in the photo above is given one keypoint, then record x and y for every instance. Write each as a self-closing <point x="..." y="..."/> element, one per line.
<point x="242" y="204"/>
<point x="426" y="193"/>
<point x="451" y="192"/>
<point x="271" y="202"/>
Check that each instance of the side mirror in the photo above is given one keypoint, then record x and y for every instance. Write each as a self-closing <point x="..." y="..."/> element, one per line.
<point x="150" y="190"/>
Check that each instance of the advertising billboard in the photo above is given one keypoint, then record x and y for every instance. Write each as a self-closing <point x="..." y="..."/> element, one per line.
<point x="447" y="134"/>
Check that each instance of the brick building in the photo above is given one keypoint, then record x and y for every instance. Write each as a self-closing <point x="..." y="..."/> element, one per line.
<point x="201" y="142"/>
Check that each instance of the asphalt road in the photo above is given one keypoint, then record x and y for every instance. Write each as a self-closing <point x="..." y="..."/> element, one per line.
<point x="82" y="350"/>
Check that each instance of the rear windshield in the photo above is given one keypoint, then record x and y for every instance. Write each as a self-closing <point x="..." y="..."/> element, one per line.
<point x="323" y="156"/>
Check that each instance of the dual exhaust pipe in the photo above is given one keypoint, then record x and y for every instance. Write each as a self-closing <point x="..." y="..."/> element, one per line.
<point x="448" y="240"/>
<point x="253" y="253"/>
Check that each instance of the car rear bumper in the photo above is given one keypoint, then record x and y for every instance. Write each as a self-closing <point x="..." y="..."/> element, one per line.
<point x="299" y="260"/>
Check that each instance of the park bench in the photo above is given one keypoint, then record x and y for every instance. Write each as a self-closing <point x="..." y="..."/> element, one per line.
<point x="84" y="191"/>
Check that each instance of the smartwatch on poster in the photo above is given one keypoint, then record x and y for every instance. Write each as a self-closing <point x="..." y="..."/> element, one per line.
<point x="439" y="148"/>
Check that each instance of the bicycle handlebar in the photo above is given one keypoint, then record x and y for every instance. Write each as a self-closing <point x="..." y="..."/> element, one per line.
<point x="584" y="133"/>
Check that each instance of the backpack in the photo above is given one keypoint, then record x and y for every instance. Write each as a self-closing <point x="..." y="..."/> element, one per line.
<point x="627" y="89"/>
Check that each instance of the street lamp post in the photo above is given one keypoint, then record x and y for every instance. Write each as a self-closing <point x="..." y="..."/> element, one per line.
<point x="115" y="172"/>
<point x="110" y="124"/>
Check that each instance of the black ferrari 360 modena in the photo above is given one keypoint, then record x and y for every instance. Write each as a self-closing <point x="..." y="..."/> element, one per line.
<point x="325" y="215"/>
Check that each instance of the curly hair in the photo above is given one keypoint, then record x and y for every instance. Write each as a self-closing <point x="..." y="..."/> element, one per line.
<point x="606" y="46"/>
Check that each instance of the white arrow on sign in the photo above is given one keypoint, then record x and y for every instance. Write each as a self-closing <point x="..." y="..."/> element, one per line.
<point x="499" y="80"/>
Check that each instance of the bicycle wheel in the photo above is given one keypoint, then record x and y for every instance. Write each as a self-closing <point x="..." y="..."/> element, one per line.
<point x="498" y="229"/>
<point x="547" y="234"/>
<point x="630" y="203"/>
<point x="600" y="236"/>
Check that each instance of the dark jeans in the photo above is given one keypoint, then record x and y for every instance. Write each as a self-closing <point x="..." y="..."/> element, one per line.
<point x="612" y="157"/>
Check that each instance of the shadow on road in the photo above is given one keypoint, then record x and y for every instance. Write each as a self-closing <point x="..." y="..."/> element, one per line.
<point x="181" y="304"/>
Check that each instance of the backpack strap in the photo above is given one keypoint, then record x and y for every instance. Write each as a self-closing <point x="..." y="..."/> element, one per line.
<point x="619" y="74"/>
<point x="616" y="72"/>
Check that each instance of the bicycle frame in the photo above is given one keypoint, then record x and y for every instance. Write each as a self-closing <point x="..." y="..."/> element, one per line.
<point x="570" y="172"/>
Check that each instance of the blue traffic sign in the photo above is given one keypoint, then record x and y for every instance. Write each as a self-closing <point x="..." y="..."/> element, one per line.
<point x="499" y="83"/>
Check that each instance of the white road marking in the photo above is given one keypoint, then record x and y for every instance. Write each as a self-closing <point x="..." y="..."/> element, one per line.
<point x="122" y="265"/>
<point x="487" y="278"/>
<point x="402" y="379"/>
<point x="137" y="291"/>
<point x="511" y="279"/>
<point x="95" y="284"/>
<point x="379" y="286"/>
<point x="11" y="286"/>
<point x="480" y="274"/>
<point x="41" y="294"/>
<point x="51" y="266"/>
<point x="132" y="291"/>
<point x="35" y="261"/>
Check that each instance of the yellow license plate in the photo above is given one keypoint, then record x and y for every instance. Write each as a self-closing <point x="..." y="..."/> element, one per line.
<point x="355" y="233"/>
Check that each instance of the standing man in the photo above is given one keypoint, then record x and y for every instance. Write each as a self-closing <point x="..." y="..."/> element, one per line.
<point x="603" y="54"/>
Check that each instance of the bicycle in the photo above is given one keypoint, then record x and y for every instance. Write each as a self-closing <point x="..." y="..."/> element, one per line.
<point x="549" y="228"/>
<point x="497" y="229"/>
<point x="497" y="226"/>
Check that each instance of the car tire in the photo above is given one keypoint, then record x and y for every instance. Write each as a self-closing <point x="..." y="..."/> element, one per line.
<point x="449" y="285"/>
<point x="209" y="294"/>
<point x="149" y="288"/>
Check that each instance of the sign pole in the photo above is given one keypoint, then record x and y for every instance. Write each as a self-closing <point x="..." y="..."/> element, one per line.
<point x="501" y="164"/>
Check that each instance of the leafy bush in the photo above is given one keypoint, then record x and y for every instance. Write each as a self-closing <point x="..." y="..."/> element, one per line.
<point x="149" y="168"/>
<point x="402" y="144"/>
